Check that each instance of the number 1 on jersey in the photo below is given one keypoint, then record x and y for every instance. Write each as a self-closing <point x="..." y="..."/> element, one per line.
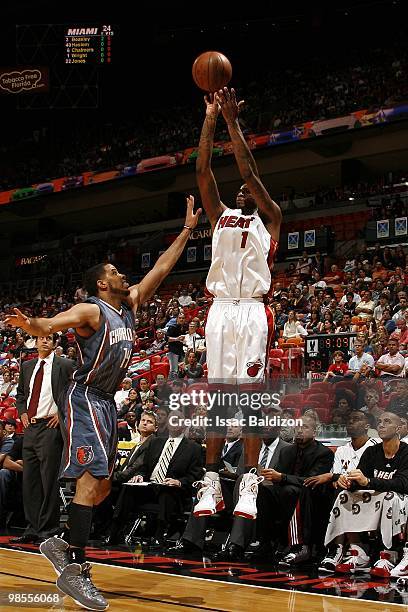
<point x="126" y="358"/>
<point x="244" y="239"/>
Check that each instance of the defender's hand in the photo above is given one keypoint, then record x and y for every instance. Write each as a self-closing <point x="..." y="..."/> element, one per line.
<point x="192" y="217"/>
<point x="228" y="102"/>
<point x="18" y="320"/>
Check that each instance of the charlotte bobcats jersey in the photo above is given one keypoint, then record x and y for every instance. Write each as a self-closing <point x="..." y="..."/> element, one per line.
<point x="346" y="458"/>
<point x="242" y="256"/>
<point x="105" y="356"/>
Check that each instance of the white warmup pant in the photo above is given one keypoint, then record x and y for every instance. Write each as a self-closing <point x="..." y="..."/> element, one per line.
<point x="237" y="336"/>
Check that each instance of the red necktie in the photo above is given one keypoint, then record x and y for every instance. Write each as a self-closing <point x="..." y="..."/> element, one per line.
<point x="36" y="391"/>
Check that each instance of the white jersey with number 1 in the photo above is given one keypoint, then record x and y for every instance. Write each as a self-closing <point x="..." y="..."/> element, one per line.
<point x="239" y="326"/>
<point x="242" y="255"/>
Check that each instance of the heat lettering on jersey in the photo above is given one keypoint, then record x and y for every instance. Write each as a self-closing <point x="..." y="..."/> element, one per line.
<point x="233" y="221"/>
<point x="119" y="334"/>
<point x="385" y="475"/>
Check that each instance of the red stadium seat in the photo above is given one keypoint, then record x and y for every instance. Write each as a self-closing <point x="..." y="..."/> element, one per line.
<point x="10" y="413"/>
<point x="321" y="399"/>
<point x="160" y="368"/>
<point x="320" y="387"/>
<point x="155" y="359"/>
<point x="198" y="386"/>
<point x="346" y="384"/>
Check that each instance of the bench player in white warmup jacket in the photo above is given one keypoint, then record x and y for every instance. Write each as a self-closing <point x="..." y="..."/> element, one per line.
<point x="239" y="325"/>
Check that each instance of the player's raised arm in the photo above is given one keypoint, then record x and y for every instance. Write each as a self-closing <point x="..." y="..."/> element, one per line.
<point x="82" y="317"/>
<point x="246" y="163"/>
<point x="205" y="178"/>
<point x="166" y="262"/>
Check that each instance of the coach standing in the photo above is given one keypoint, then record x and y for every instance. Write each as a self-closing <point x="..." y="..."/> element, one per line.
<point x="41" y="382"/>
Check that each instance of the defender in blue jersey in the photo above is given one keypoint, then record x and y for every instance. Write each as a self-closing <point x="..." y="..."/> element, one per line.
<point x="104" y="328"/>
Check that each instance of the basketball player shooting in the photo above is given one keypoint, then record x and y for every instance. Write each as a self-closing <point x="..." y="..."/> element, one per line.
<point x="245" y="239"/>
<point x="105" y="332"/>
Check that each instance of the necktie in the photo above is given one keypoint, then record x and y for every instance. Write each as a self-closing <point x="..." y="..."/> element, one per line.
<point x="164" y="462"/>
<point x="225" y="450"/>
<point x="298" y="462"/>
<point x="36" y="391"/>
<point x="264" y="457"/>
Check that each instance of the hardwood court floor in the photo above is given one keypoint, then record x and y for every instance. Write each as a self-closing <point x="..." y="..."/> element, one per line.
<point x="150" y="591"/>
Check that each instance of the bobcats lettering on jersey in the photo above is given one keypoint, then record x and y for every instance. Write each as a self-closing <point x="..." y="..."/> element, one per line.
<point x="122" y="333"/>
<point x="106" y="354"/>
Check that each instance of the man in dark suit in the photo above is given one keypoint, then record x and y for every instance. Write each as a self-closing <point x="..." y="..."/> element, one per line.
<point x="124" y="472"/>
<point x="284" y="505"/>
<point x="171" y="466"/>
<point x="232" y="450"/>
<point x="129" y="431"/>
<point x="134" y="461"/>
<point x="41" y="383"/>
<point x="193" y="539"/>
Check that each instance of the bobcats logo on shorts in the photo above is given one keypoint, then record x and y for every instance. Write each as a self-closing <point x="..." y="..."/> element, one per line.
<point x="253" y="367"/>
<point x="84" y="454"/>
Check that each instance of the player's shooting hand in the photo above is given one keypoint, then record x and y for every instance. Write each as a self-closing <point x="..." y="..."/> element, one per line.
<point x="53" y="422"/>
<point x="18" y="319"/>
<point x="191" y="216"/>
<point x="228" y="102"/>
<point x="212" y="106"/>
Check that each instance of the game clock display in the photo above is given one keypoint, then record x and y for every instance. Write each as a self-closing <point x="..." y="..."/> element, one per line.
<point x="319" y="350"/>
<point x="89" y="44"/>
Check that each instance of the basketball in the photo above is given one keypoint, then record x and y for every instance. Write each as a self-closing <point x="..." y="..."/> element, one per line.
<point x="212" y="71"/>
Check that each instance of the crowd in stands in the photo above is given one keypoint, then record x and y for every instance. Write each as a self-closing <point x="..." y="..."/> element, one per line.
<point x="281" y="99"/>
<point x="365" y="295"/>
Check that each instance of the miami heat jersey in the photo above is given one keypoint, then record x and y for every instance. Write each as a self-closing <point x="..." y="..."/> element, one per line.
<point x="105" y="356"/>
<point x="242" y="256"/>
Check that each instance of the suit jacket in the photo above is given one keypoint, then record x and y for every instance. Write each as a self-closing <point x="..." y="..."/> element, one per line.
<point x="317" y="459"/>
<point x="272" y="462"/>
<point x="61" y="374"/>
<point x="133" y="462"/>
<point x="124" y="433"/>
<point x="234" y="453"/>
<point x="186" y="464"/>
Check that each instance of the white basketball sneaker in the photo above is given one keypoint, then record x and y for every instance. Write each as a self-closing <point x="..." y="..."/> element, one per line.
<point x="385" y="564"/>
<point x="209" y="496"/>
<point x="355" y="560"/>
<point x="248" y="491"/>
<point x="401" y="570"/>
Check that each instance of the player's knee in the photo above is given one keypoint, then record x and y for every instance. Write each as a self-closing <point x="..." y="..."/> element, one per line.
<point x="87" y="490"/>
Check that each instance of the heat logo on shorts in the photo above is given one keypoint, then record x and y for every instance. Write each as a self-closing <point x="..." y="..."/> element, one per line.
<point x="84" y="454"/>
<point x="253" y="367"/>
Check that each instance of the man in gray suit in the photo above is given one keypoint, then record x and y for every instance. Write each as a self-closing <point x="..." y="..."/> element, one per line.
<point x="193" y="538"/>
<point x="41" y="383"/>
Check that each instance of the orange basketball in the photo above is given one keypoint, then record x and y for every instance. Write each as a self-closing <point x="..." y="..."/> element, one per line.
<point x="212" y="71"/>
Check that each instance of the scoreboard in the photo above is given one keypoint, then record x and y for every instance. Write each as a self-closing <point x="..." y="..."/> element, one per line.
<point x="89" y="44"/>
<point x="319" y="349"/>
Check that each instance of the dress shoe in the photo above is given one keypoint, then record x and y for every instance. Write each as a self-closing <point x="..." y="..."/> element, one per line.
<point x="184" y="548"/>
<point x="233" y="552"/>
<point x="25" y="539"/>
<point x="263" y="553"/>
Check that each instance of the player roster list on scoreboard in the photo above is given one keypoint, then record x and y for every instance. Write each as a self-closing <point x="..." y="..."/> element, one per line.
<point x="89" y="44"/>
